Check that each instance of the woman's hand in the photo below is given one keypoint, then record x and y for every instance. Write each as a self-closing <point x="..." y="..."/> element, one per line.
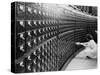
<point x="77" y="43"/>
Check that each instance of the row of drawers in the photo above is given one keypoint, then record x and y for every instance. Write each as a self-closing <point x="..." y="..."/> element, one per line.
<point x="42" y="11"/>
<point x="25" y="26"/>
<point x="34" y="11"/>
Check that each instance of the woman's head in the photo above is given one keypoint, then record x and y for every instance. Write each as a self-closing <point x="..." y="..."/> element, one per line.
<point x="89" y="37"/>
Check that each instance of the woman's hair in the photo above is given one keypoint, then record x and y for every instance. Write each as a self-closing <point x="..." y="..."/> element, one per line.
<point x="89" y="36"/>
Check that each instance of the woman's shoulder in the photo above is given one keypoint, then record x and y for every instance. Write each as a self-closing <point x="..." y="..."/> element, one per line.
<point x="92" y="42"/>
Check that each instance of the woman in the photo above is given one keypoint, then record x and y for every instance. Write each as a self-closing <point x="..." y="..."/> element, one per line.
<point x="90" y="47"/>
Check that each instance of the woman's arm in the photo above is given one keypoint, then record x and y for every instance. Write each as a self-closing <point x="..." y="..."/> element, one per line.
<point x="84" y="44"/>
